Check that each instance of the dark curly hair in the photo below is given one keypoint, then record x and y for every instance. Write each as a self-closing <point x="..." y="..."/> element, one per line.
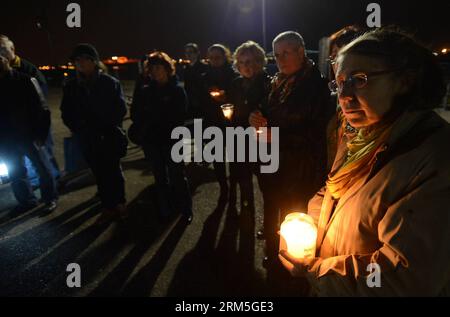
<point x="397" y="49"/>
<point x="161" y="58"/>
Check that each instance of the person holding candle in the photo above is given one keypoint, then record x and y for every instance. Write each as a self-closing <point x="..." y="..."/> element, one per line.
<point x="299" y="104"/>
<point x="386" y="199"/>
<point x="248" y="93"/>
<point x="216" y="84"/>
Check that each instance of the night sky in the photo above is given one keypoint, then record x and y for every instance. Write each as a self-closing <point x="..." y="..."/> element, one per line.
<point x="135" y="27"/>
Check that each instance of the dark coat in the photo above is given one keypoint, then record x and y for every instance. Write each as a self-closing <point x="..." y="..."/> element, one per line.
<point x="193" y="85"/>
<point x="26" y="67"/>
<point x="94" y="111"/>
<point x="24" y="114"/>
<point x="216" y="79"/>
<point x="247" y="96"/>
<point x="158" y="110"/>
<point x="302" y="116"/>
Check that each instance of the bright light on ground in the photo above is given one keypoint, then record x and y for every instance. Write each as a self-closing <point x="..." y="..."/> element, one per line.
<point x="3" y="170"/>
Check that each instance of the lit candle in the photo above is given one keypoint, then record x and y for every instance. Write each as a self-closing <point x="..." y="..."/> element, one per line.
<point x="298" y="235"/>
<point x="228" y="110"/>
<point x="217" y="93"/>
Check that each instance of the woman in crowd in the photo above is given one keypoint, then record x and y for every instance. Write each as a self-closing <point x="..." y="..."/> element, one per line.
<point x="216" y="85"/>
<point x="337" y="41"/>
<point x="93" y="108"/>
<point x="159" y="108"/>
<point x="248" y="92"/>
<point x="386" y="199"/>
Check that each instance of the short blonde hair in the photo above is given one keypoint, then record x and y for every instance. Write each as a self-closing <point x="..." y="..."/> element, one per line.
<point x="253" y="48"/>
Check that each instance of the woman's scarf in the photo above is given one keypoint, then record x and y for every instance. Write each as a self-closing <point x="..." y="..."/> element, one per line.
<point x="360" y="158"/>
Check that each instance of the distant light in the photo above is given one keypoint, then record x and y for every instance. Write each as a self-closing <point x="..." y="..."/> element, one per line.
<point x="114" y="58"/>
<point x="444" y="51"/>
<point x="122" y="60"/>
<point x="3" y="170"/>
<point x="435" y="54"/>
<point x="66" y="74"/>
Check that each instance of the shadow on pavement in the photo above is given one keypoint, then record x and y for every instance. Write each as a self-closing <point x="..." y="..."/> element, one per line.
<point x="224" y="270"/>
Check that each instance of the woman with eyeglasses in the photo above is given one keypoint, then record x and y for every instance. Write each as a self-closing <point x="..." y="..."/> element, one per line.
<point x="336" y="42"/>
<point x="384" y="209"/>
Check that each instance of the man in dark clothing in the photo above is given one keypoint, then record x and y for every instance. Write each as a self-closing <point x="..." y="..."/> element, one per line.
<point x="300" y="106"/>
<point x="24" y="126"/>
<point x="193" y="73"/>
<point x="26" y="67"/>
<point x="93" y="108"/>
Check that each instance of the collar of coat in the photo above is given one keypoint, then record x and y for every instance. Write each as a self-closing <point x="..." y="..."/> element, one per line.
<point x="282" y="85"/>
<point x="16" y="62"/>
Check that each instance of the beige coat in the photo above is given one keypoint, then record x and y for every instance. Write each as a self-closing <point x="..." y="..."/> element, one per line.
<point x="397" y="217"/>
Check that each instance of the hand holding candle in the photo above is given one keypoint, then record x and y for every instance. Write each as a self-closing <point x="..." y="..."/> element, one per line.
<point x="298" y="235"/>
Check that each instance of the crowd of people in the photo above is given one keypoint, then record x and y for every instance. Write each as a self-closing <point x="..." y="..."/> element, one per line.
<point x="361" y="151"/>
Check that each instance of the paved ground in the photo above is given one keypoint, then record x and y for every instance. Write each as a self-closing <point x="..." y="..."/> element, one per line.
<point x="217" y="255"/>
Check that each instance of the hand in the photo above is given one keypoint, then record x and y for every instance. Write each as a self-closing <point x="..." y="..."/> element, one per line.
<point x="297" y="267"/>
<point x="257" y="120"/>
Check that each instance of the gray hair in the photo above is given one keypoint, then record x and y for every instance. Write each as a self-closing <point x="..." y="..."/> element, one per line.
<point x="291" y="37"/>
<point x="6" y="39"/>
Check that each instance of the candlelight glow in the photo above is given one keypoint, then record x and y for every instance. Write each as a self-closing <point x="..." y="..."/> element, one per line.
<point x="298" y="235"/>
<point x="228" y="111"/>
<point x="216" y="93"/>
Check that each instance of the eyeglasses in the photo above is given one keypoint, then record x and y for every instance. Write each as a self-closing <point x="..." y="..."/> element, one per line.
<point x="356" y="81"/>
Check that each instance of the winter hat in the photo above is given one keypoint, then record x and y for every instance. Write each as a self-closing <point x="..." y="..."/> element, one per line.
<point x="86" y="50"/>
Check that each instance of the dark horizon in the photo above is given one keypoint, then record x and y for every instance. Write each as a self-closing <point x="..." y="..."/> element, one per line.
<point x="118" y="28"/>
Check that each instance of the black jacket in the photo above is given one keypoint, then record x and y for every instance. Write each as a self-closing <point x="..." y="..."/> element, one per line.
<point x="24" y="115"/>
<point x="193" y="84"/>
<point x="94" y="110"/>
<point x="247" y="96"/>
<point x="216" y="79"/>
<point x="30" y="69"/>
<point x="157" y="110"/>
<point x="302" y="115"/>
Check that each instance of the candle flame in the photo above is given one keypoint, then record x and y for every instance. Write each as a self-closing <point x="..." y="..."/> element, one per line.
<point x="300" y="234"/>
